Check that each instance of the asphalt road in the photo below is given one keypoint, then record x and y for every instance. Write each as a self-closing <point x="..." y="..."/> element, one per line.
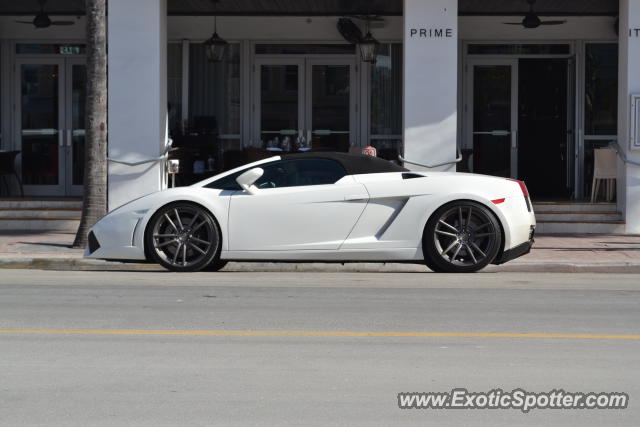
<point x="122" y="348"/>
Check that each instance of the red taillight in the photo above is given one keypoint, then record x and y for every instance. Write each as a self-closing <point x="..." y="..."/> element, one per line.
<point x="497" y="201"/>
<point x="522" y="185"/>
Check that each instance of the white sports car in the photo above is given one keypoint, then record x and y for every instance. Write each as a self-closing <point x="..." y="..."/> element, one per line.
<point x="324" y="207"/>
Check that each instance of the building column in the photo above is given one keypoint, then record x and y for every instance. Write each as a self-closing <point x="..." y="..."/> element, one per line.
<point x="629" y="84"/>
<point x="430" y="81"/>
<point x="137" y="86"/>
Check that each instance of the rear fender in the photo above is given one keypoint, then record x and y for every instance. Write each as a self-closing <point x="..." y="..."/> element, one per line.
<point x="440" y="201"/>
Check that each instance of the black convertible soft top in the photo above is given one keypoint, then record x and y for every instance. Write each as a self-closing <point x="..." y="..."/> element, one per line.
<point x="354" y="164"/>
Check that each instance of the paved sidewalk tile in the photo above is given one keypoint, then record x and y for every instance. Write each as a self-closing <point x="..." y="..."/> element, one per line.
<point x="37" y="244"/>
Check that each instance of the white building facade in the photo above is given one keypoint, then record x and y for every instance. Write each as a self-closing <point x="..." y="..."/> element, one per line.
<point x="451" y="80"/>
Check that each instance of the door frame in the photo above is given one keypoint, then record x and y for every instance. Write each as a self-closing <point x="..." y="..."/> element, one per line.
<point x="70" y="188"/>
<point x="468" y="122"/>
<point x="42" y="190"/>
<point x="65" y="65"/>
<point x="305" y="64"/>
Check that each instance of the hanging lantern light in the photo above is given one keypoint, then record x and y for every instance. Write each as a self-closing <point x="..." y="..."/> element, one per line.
<point x="368" y="47"/>
<point x="215" y="46"/>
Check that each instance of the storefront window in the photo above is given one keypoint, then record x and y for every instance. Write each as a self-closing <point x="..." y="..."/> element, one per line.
<point x="601" y="89"/>
<point x="386" y="101"/>
<point x="208" y="142"/>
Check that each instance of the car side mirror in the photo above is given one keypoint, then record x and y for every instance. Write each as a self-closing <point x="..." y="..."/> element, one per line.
<point x="247" y="179"/>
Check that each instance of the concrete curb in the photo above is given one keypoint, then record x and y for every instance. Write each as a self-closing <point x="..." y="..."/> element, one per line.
<point x="82" y="264"/>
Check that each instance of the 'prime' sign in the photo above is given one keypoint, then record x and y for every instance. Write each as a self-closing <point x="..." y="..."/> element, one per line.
<point x="430" y="32"/>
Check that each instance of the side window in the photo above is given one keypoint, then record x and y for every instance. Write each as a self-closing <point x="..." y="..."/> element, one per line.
<point x="228" y="182"/>
<point x="276" y="175"/>
<point x="316" y="172"/>
<point x="289" y="173"/>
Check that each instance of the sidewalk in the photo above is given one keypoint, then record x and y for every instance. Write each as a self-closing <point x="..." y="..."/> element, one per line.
<point x="551" y="253"/>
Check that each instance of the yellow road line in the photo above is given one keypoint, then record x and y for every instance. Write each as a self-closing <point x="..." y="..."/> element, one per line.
<point x="319" y="334"/>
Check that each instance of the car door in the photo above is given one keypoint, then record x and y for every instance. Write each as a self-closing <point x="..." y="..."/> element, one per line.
<point x="302" y="204"/>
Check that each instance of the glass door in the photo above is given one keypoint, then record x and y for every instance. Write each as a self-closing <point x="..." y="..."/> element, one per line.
<point x="492" y="116"/>
<point x="304" y="100"/>
<point x="50" y="125"/>
<point x="40" y="95"/>
<point x="330" y="104"/>
<point x="76" y="90"/>
<point x="278" y="107"/>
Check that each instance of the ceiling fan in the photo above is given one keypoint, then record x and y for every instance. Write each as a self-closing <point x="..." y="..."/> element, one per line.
<point x="42" y="20"/>
<point x="532" y="20"/>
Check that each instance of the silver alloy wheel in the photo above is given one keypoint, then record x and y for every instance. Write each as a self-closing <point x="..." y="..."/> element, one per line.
<point x="183" y="236"/>
<point x="464" y="235"/>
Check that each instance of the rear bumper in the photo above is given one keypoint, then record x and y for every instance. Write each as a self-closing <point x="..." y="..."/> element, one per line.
<point x="517" y="251"/>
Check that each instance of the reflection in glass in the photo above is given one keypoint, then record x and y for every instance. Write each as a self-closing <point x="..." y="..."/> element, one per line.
<point x="39" y="118"/>
<point x="601" y="89"/>
<point x="386" y="91"/>
<point x="279" y="99"/>
<point x="330" y="107"/>
<point x="214" y="89"/>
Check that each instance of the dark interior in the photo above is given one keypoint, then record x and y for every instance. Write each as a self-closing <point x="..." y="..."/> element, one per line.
<point x="542" y="128"/>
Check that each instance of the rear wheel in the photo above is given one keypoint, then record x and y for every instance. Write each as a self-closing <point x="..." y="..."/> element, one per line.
<point x="183" y="237"/>
<point x="461" y="237"/>
<point x="216" y="265"/>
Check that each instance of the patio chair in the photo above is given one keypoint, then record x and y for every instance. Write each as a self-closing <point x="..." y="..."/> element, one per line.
<point x="8" y="167"/>
<point x="604" y="169"/>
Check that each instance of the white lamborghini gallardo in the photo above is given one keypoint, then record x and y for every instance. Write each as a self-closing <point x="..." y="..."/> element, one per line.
<point x="324" y="207"/>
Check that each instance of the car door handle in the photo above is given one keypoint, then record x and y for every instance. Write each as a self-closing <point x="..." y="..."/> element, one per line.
<point x="354" y="197"/>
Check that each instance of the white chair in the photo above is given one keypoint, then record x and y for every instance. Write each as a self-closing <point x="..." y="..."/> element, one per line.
<point x="605" y="162"/>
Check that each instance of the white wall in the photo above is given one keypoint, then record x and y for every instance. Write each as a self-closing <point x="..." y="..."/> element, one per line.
<point x="137" y="96"/>
<point x="430" y="81"/>
<point x="628" y="84"/>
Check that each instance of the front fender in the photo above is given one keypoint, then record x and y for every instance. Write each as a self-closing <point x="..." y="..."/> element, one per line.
<point x="120" y="234"/>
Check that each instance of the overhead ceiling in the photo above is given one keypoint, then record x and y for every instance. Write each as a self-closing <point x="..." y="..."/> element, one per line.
<point x="542" y="7"/>
<point x="328" y="7"/>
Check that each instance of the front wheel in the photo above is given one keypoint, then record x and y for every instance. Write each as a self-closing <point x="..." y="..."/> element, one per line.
<point x="183" y="236"/>
<point x="461" y="237"/>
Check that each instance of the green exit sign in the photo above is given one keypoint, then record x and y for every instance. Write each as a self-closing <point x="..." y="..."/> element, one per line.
<point x="69" y="50"/>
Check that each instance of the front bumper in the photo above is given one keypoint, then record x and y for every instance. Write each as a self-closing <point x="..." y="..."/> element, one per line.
<point x="517" y="251"/>
<point x="116" y="236"/>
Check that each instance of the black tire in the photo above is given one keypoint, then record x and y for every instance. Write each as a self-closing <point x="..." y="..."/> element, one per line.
<point x="216" y="265"/>
<point x="461" y="237"/>
<point x="183" y="237"/>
